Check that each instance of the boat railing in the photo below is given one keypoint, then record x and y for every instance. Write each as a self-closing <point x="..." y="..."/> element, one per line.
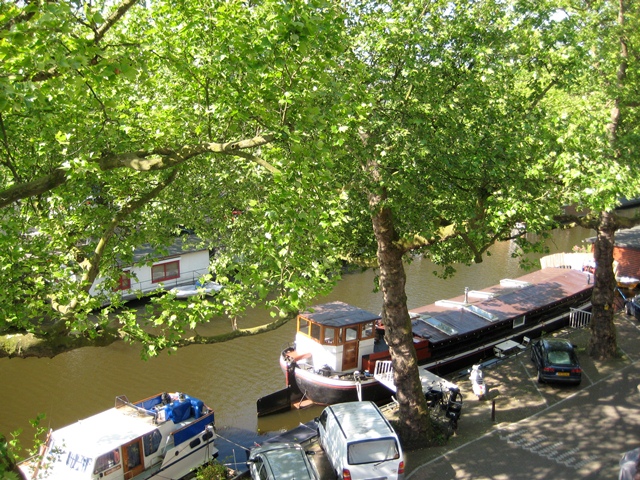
<point x="122" y="401"/>
<point x="186" y="277"/>
<point x="579" y="318"/>
<point x="34" y="462"/>
<point x="383" y="372"/>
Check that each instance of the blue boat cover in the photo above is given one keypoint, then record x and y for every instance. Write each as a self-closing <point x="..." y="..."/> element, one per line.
<point x="193" y="429"/>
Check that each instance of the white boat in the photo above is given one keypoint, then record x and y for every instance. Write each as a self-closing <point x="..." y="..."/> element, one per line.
<point x="162" y="437"/>
<point x="627" y="282"/>
<point x="186" y="291"/>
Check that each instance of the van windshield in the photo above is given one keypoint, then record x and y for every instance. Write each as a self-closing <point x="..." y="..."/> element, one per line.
<point x="372" y="451"/>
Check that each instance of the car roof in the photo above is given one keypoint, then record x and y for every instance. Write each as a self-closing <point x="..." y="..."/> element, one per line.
<point x="557" y="344"/>
<point x="266" y="447"/>
<point x="286" y="460"/>
<point x="361" y="420"/>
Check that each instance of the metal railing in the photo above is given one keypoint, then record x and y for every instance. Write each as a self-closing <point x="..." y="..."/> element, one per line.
<point x="384" y="373"/>
<point x="579" y="318"/>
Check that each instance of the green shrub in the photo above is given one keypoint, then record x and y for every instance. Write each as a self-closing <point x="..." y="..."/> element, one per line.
<point x="213" y="471"/>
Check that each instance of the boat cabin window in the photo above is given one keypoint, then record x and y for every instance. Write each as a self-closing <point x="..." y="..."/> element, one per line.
<point x="165" y="271"/>
<point x="351" y="334"/>
<point x="518" y="322"/>
<point x="367" y="330"/>
<point x="303" y="325"/>
<point x="334" y="335"/>
<point x="151" y="442"/>
<point x="315" y="332"/>
<point x="318" y="332"/>
<point x="330" y="335"/>
<point x="106" y="461"/>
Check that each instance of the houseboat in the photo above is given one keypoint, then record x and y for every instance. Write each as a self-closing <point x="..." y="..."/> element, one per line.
<point x="182" y="269"/>
<point x="164" y="436"/>
<point x="337" y="345"/>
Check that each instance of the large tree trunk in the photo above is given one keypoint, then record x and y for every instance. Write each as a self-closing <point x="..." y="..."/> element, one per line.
<point x="415" y="425"/>
<point x="602" y="342"/>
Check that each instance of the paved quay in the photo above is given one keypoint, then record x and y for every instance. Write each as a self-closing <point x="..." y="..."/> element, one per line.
<point x="526" y="430"/>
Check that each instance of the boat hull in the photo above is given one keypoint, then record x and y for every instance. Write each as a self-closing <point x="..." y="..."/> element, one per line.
<point x="327" y="390"/>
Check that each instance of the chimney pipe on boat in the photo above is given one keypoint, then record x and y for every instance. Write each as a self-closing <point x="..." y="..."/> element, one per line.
<point x="466" y="294"/>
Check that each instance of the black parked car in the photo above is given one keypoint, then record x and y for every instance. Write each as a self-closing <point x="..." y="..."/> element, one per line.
<point x="556" y="361"/>
<point x="632" y="307"/>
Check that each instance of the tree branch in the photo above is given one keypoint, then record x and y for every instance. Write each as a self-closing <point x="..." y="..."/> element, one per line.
<point x="158" y="159"/>
<point x="592" y="221"/>
<point x="20" y="18"/>
<point x="35" y="187"/>
<point x="116" y="15"/>
<point x="447" y="231"/>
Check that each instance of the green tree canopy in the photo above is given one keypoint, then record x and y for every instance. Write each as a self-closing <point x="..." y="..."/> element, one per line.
<point x="359" y="130"/>
<point x="122" y="122"/>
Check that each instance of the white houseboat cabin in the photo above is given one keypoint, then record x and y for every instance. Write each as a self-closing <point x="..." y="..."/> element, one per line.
<point x="185" y="264"/>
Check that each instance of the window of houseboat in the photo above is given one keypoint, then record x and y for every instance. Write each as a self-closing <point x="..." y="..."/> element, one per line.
<point x="303" y="325"/>
<point x="351" y="334"/>
<point x="106" y="461"/>
<point x="367" y="330"/>
<point x="315" y="332"/>
<point x="133" y="458"/>
<point x="151" y="442"/>
<point x="124" y="282"/>
<point x="165" y="271"/>
<point x="330" y="335"/>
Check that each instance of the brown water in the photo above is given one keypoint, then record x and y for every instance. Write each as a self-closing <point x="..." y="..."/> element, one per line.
<point x="229" y="377"/>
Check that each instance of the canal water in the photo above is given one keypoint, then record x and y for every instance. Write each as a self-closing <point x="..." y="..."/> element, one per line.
<point x="230" y="376"/>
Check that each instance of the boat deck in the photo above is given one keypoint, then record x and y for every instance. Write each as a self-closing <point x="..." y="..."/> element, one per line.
<point x="429" y="380"/>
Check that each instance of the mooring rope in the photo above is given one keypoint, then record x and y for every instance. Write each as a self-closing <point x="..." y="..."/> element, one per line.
<point x="233" y="443"/>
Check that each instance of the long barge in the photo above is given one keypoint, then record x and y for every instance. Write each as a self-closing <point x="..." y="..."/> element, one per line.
<point x="337" y="345"/>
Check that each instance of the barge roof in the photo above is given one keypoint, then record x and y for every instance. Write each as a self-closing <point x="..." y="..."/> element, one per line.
<point x="500" y="303"/>
<point x="338" y="314"/>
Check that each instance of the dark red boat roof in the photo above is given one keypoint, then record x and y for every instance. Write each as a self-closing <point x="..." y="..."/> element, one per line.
<point x="511" y="300"/>
<point x="339" y="314"/>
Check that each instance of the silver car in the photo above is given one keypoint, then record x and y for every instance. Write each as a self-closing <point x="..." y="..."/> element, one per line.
<point x="281" y="461"/>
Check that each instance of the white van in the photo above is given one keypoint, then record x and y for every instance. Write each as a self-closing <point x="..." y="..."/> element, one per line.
<point x="360" y="443"/>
